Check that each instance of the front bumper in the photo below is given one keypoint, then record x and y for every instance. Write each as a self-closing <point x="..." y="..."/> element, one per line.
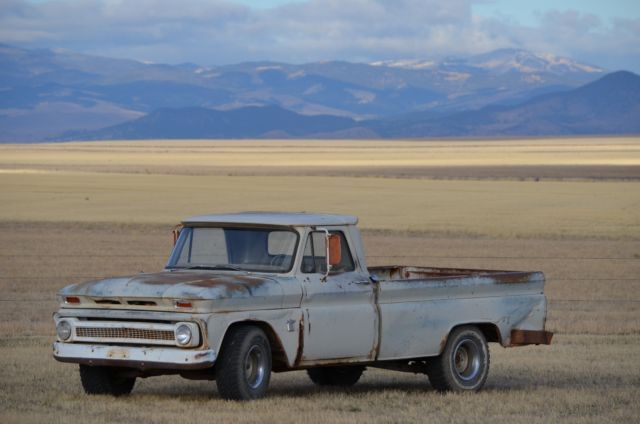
<point x="143" y="358"/>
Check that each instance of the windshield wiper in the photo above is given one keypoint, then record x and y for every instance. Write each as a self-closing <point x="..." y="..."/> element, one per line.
<point x="218" y="266"/>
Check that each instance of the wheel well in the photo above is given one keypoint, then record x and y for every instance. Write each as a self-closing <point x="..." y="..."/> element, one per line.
<point x="490" y="331"/>
<point x="278" y="355"/>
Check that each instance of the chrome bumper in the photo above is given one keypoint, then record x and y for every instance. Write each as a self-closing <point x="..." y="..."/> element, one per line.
<point x="134" y="357"/>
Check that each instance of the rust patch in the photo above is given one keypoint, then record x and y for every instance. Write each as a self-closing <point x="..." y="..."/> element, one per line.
<point x="375" y="351"/>
<point x="300" y="342"/>
<point x="400" y="272"/>
<point x="443" y="344"/>
<point x="528" y="337"/>
<point x="204" y="332"/>
<point x="198" y="279"/>
<point x="231" y="283"/>
<point x="513" y="278"/>
<point x="241" y="280"/>
<point x="332" y="362"/>
<point x="176" y="233"/>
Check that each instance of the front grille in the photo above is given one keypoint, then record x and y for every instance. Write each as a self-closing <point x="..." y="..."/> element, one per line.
<point x="124" y="333"/>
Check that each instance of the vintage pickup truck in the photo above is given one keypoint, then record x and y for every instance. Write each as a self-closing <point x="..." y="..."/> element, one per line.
<point x="246" y="294"/>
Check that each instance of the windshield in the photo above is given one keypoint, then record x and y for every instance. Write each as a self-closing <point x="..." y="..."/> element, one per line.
<point x="246" y="249"/>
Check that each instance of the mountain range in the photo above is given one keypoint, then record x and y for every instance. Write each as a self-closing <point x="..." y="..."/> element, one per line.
<point x="58" y="95"/>
<point x="610" y="105"/>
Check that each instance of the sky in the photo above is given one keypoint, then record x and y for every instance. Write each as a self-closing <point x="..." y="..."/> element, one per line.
<point x="605" y="33"/>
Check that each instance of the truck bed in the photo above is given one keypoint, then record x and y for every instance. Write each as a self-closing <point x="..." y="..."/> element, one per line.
<point x="426" y="303"/>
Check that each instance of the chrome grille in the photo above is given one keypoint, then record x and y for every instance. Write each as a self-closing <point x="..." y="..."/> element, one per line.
<point x="124" y="333"/>
<point x="116" y="332"/>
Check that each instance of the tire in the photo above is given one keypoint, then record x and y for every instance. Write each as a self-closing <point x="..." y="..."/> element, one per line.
<point x="335" y="376"/>
<point x="464" y="363"/>
<point x="98" y="380"/>
<point x="243" y="369"/>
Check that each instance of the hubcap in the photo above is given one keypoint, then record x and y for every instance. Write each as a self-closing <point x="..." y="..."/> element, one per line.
<point x="466" y="360"/>
<point x="254" y="367"/>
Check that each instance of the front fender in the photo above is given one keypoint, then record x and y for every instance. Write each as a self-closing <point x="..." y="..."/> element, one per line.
<point x="284" y="325"/>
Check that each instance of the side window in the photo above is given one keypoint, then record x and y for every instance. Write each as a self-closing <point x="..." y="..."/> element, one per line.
<point x="315" y="251"/>
<point x="314" y="258"/>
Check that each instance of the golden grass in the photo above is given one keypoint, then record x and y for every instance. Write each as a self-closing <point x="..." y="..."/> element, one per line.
<point x="591" y="379"/>
<point x="164" y="181"/>
<point x="477" y="208"/>
<point x="71" y="212"/>
<point x="588" y="374"/>
<point x="313" y="153"/>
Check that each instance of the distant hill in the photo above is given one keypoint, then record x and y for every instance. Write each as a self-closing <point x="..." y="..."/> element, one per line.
<point x="47" y="93"/>
<point x="610" y="105"/>
<point x="197" y="122"/>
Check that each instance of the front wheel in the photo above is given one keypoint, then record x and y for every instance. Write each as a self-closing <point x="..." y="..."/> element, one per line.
<point x="244" y="367"/>
<point x="464" y="363"/>
<point x="98" y="380"/>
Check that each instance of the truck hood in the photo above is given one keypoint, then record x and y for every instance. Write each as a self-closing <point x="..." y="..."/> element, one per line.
<point x="181" y="284"/>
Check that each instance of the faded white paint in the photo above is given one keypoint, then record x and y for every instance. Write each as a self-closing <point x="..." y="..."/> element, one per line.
<point x="386" y="313"/>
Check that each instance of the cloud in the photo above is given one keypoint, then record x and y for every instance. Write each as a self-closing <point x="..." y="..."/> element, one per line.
<point x="584" y="36"/>
<point x="219" y="32"/>
<point x="571" y="21"/>
<point x="105" y="22"/>
<point x="362" y="29"/>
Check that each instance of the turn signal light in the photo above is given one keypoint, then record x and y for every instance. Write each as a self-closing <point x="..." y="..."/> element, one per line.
<point x="71" y="299"/>
<point x="183" y="304"/>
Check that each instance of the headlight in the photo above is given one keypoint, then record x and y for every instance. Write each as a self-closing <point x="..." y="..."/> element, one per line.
<point x="183" y="334"/>
<point x="63" y="329"/>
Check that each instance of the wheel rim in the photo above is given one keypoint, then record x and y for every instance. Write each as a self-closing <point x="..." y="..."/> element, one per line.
<point x="254" y="367"/>
<point x="466" y="360"/>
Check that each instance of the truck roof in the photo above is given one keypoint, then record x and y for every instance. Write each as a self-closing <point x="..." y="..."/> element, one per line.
<point x="273" y="218"/>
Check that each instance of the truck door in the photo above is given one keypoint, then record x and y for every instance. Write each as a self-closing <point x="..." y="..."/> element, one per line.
<point x="340" y="320"/>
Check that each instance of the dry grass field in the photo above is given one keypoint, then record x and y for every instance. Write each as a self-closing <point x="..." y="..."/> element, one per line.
<point x="580" y="158"/>
<point x="76" y="211"/>
<point x="604" y="209"/>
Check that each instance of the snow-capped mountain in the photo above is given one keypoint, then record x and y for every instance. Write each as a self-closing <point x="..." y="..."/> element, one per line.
<point x="509" y="60"/>
<point x="49" y="92"/>
<point x="499" y="62"/>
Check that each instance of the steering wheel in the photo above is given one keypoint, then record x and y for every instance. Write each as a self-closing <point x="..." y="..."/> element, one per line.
<point x="277" y="260"/>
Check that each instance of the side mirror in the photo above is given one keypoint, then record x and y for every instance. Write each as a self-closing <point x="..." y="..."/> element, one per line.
<point x="333" y="254"/>
<point x="335" y="249"/>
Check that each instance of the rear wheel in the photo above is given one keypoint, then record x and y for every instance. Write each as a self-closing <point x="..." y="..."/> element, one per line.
<point x="464" y="363"/>
<point x="98" y="380"/>
<point x="244" y="367"/>
<point x="336" y="376"/>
